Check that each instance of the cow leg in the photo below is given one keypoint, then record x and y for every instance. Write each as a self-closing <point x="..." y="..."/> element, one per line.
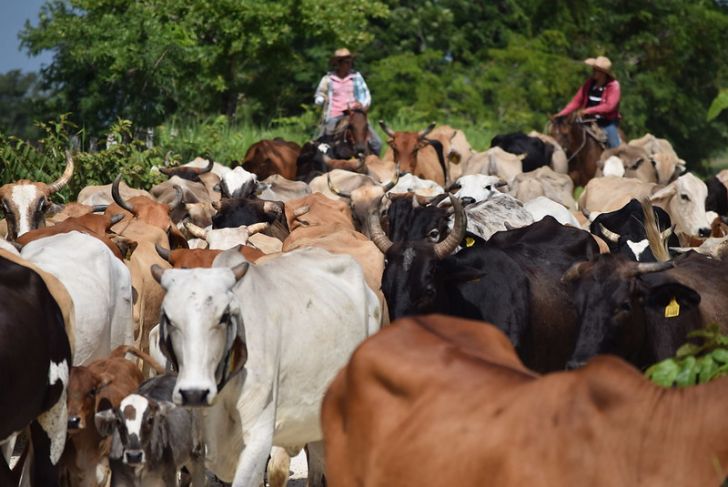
<point x="42" y="471"/>
<point x="258" y="443"/>
<point x="278" y="467"/>
<point x="316" y="466"/>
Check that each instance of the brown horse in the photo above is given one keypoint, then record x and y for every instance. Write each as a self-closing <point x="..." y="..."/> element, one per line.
<point x="351" y="137"/>
<point x="582" y="148"/>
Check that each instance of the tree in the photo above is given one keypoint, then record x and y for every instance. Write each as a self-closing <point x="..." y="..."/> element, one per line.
<point x="19" y="103"/>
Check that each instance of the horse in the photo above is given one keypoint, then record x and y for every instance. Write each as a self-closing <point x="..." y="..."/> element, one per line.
<point x="581" y="144"/>
<point x="349" y="140"/>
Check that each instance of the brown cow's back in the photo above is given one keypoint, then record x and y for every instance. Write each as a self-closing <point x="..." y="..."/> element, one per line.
<point x="434" y="401"/>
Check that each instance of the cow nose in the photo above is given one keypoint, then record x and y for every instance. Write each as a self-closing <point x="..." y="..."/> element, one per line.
<point x="194" y="397"/>
<point x="704" y="232"/>
<point x="74" y="422"/>
<point x="134" y="457"/>
<point x="467" y="200"/>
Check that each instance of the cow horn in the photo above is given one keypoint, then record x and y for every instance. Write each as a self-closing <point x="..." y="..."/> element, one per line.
<point x="196" y="231"/>
<point x="500" y="184"/>
<point x="166" y="254"/>
<point x="179" y="195"/>
<point x="240" y="270"/>
<point x="426" y="131"/>
<point x="157" y="272"/>
<point x="65" y="177"/>
<point x="608" y="234"/>
<point x="666" y="233"/>
<point x="333" y="188"/>
<point x="376" y="234"/>
<point x="116" y="218"/>
<point x="391" y="184"/>
<point x="117" y="196"/>
<point x="386" y="129"/>
<point x="257" y="227"/>
<point x="205" y="170"/>
<point x="574" y="272"/>
<point x="98" y="208"/>
<point x="216" y="204"/>
<point x="647" y="267"/>
<point x="446" y="247"/>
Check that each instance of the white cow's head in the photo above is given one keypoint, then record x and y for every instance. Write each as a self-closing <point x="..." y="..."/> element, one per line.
<point x="201" y="330"/>
<point x="25" y="202"/>
<point x="684" y="200"/>
<point x="238" y="183"/>
<point x="477" y="187"/>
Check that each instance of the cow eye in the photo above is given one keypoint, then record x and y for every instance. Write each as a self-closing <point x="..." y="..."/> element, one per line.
<point x="225" y="318"/>
<point x="434" y="235"/>
<point x="685" y="197"/>
<point x="42" y="204"/>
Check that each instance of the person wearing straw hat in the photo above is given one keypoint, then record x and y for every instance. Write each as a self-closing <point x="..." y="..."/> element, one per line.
<point x="343" y="89"/>
<point x="599" y="97"/>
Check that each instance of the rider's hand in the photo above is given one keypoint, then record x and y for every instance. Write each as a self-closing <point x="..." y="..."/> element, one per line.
<point x="355" y="106"/>
<point x="580" y="112"/>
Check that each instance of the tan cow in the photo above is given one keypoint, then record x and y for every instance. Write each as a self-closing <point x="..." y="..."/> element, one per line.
<point x="456" y="407"/>
<point x="636" y="161"/>
<point x="683" y="199"/>
<point x="415" y="154"/>
<point x="667" y="163"/>
<point x="544" y="181"/>
<point x="495" y="162"/>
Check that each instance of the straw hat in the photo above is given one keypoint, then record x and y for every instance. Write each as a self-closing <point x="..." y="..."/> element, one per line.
<point x="601" y="63"/>
<point x="342" y="53"/>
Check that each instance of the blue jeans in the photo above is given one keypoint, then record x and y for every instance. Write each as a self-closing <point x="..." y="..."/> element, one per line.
<point x="612" y="134"/>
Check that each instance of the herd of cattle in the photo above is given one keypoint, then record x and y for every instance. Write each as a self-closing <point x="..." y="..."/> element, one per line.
<point x="205" y="331"/>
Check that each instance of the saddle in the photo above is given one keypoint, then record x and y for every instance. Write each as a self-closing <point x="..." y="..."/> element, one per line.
<point x="596" y="132"/>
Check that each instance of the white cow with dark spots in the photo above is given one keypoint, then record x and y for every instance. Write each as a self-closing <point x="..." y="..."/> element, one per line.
<point x="259" y="345"/>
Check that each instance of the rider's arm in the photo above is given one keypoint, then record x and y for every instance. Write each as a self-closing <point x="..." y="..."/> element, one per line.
<point x="610" y="100"/>
<point x="361" y="92"/>
<point x="322" y="92"/>
<point x="576" y="102"/>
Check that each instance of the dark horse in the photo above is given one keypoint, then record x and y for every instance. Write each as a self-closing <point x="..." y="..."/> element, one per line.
<point x="580" y="142"/>
<point x="350" y="140"/>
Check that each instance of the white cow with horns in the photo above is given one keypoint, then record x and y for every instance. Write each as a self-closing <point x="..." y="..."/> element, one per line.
<point x="274" y="336"/>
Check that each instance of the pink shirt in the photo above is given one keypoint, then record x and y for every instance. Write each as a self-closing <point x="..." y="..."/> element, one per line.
<point x="342" y="94"/>
<point x="608" y="108"/>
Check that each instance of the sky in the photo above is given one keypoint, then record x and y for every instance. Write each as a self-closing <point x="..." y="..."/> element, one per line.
<point x="13" y="14"/>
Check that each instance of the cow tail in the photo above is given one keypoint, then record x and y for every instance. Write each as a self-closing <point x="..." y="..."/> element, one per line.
<point x="124" y="349"/>
<point x="437" y="145"/>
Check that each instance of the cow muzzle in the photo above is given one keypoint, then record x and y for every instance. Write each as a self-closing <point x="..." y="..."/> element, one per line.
<point x="194" y="397"/>
<point x="134" y="457"/>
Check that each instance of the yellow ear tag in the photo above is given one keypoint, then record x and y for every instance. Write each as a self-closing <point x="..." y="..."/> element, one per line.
<point x="469" y="241"/>
<point x="672" y="309"/>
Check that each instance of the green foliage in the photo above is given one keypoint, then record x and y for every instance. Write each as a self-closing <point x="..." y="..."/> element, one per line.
<point x="718" y="105"/>
<point x="695" y="362"/>
<point x="45" y="161"/>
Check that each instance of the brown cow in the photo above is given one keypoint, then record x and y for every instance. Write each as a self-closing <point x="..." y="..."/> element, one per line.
<point x="405" y="147"/>
<point x="25" y="202"/>
<point x="267" y="157"/>
<point x="435" y="401"/>
<point x="110" y="379"/>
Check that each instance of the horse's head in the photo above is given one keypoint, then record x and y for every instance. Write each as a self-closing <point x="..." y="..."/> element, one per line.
<point x="357" y="130"/>
<point x="566" y="130"/>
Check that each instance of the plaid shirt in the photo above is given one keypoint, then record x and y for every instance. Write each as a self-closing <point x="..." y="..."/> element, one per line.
<point x="324" y="92"/>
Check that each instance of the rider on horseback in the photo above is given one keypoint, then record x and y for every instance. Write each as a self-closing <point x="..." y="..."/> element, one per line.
<point x="341" y="90"/>
<point x="599" y="97"/>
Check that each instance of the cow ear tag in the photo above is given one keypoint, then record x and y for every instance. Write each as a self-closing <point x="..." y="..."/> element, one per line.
<point x="469" y="241"/>
<point x="672" y="309"/>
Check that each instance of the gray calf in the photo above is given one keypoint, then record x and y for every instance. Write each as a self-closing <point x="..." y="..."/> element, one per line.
<point x="152" y="438"/>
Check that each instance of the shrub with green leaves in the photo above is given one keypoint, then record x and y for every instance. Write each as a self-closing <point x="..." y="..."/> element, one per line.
<point x="696" y="362"/>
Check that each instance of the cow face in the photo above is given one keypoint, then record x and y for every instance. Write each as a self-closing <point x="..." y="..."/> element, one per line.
<point x="622" y="310"/>
<point x="83" y="386"/>
<point x="406" y="145"/>
<point x="477" y="187"/>
<point x="238" y="183"/>
<point x="25" y="203"/>
<point x="200" y="308"/>
<point x="684" y="199"/>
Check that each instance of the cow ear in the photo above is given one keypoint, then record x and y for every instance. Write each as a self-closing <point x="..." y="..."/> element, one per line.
<point x="238" y="356"/>
<point x="663" y="194"/>
<point x="105" y="418"/>
<point x="165" y="343"/>
<point x="159" y="436"/>
<point x="176" y="239"/>
<point x="666" y="294"/>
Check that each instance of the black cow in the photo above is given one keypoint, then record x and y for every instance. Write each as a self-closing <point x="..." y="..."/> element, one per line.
<point x="410" y="220"/>
<point x="624" y="231"/>
<point x="538" y="153"/>
<point x="643" y="311"/>
<point x="512" y="281"/>
<point x="717" y="199"/>
<point x="152" y="437"/>
<point x="35" y="359"/>
<point x="234" y="212"/>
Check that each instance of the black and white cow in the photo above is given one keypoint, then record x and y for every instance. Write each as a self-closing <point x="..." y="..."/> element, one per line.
<point x="35" y="358"/>
<point x="152" y="437"/>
